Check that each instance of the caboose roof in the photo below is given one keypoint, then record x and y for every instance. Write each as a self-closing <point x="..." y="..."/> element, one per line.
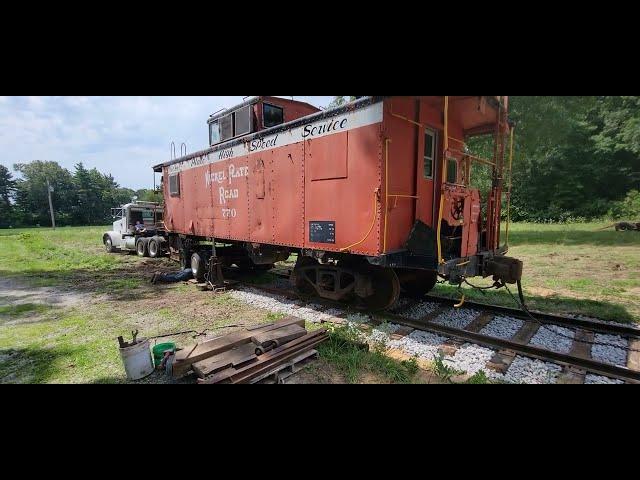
<point x="361" y="103"/>
<point x="253" y="101"/>
<point x="475" y="122"/>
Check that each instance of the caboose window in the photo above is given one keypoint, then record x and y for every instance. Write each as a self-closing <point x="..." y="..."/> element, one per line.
<point x="174" y="185"/>
<point x="272" y="115"/>
<point x="243" y="121"/>
<point x="226" y="127"/>
<point x="214" y="133"/>
<point x="429" y="152"/>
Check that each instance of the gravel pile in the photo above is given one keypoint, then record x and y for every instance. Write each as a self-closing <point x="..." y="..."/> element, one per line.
<point x="503" y="327"/>
<point x="591" y="379"/>
<point x="382" y="333"/>
<point x="280" y="304"/>
<point x="470" y="359"/>
<point x="525" y="370"/>
<point x="456" y="318"/>
<point x="419" y="310"/>
<point x="614" y="355"/>
<point x="358" y="318"/>
<point x="423" y="344"/>
<point x="554" y="338"/>
<point x="400" y="305"/>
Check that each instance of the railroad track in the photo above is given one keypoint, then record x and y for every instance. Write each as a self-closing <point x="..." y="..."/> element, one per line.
<point x="582" y="337"/>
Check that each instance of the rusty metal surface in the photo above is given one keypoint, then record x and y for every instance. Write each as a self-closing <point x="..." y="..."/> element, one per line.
<point x="273" y="195"/>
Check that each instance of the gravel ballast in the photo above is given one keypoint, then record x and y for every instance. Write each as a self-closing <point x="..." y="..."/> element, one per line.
<point x="503" y="327"/>
<point x="613" y="355"/>
<point x="422" y="344"/>
<point x="419" y="310"/>
<point x="280" y="304"/>
<point x="554" y="338"/>
<point x="456" y="318"/>
<point x="591" y="379"/>
<point x="469" y="358"/>
<point x="526" y="370"/>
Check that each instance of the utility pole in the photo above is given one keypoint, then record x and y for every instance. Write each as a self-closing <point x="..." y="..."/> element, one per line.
<point x="53" y="218"/>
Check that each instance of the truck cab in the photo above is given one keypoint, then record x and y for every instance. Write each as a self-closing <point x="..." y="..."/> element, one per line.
<point x="147" y="239"/>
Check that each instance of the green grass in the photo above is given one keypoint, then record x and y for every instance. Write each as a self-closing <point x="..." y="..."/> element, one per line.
<point x="346" y="353"/>
<point x="568" y="268"/>
<point x="23" y="309"/>
<point x="574" y="269"/>
<point x="47" y="256"/>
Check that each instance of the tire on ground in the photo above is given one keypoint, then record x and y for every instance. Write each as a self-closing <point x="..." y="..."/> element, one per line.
<point x="108" y="244"/>
<point x="197" y="266"/>
<point x="155" y="247"/>
<point x="142" y="247"/>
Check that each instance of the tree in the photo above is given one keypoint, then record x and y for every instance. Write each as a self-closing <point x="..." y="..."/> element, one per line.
<point x="32" y="197"/>
<point x="146" y="195"/>
<point x="338" y="101"/>
<point x="7" y="192"/>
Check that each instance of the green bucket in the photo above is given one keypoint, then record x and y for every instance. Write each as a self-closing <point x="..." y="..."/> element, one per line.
<point x="158" y="352"/>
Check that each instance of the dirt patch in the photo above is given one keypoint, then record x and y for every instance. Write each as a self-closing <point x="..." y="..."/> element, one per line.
<point x="542" y="292"/>
<point x="14" y="292"/>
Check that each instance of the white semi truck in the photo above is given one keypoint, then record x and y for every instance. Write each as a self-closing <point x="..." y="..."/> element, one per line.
<point x="137" y="228"/>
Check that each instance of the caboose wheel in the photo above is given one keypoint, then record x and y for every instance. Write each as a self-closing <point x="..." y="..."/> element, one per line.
<point x="417" y="283"/>
<point x="386" y="288"/>
<point x="299" y="278"/>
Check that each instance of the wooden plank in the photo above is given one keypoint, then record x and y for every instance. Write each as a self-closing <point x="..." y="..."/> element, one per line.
<point x="435" y="314"/>
<point x="501" y="361"/>
<point x="282" y="353"/>
<point x="582" y="343"/>
<point x="581" y="347"/>
<point x="286" y="370"/>
<point x="526" y="333"/>
<point x="190" y="355"/>
<point x="235" y="357"/>
<point x="280" y="335"/>
<point x="402" y="332"/>
<point x="571" y="376"/>
<point x="633" y="359"/>
<point x="480" y="322"/>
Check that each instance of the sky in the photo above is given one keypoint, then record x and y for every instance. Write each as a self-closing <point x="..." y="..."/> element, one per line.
<point x="124" y="136"/>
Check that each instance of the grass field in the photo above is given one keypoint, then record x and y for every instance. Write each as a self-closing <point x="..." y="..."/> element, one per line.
<point x="577" y="269"/>
<point x="63" y="300"/>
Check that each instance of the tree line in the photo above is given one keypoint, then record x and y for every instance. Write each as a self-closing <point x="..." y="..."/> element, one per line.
<point x="81" y="197"/>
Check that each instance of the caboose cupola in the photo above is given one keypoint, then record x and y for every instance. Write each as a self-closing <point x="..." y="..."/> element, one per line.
<point x="254" y="115"/>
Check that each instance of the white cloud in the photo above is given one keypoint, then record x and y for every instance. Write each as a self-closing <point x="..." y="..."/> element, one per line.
<point x="125" y="136"/>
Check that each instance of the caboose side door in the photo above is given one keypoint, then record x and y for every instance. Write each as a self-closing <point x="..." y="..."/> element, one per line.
<point x="426" y="165"/>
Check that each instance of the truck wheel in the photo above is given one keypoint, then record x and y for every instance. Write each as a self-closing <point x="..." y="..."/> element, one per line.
<point x="142" y="247"/>
<point x="108" y="245"/>
<point x="155" y="247"/>
<point x="197" y="266"/>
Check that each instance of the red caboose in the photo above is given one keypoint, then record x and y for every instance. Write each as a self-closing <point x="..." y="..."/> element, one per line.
<point x="374" y="196"/>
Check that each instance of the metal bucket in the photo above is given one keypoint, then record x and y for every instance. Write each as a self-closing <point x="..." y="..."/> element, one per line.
<point x="137" y="360"/>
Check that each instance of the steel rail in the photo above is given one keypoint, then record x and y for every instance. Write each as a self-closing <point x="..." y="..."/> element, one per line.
<point x="593" y="366"/>
<point x="598" y="326"/>
<point x="525" y="349"/>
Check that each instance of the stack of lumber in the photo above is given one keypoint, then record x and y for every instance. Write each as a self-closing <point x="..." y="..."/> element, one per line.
<point x="246" y="356"/>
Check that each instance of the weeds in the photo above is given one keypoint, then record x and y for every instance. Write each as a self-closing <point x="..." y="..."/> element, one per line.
<point x="443" y="371"/>
<point x="347" y="352"/>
